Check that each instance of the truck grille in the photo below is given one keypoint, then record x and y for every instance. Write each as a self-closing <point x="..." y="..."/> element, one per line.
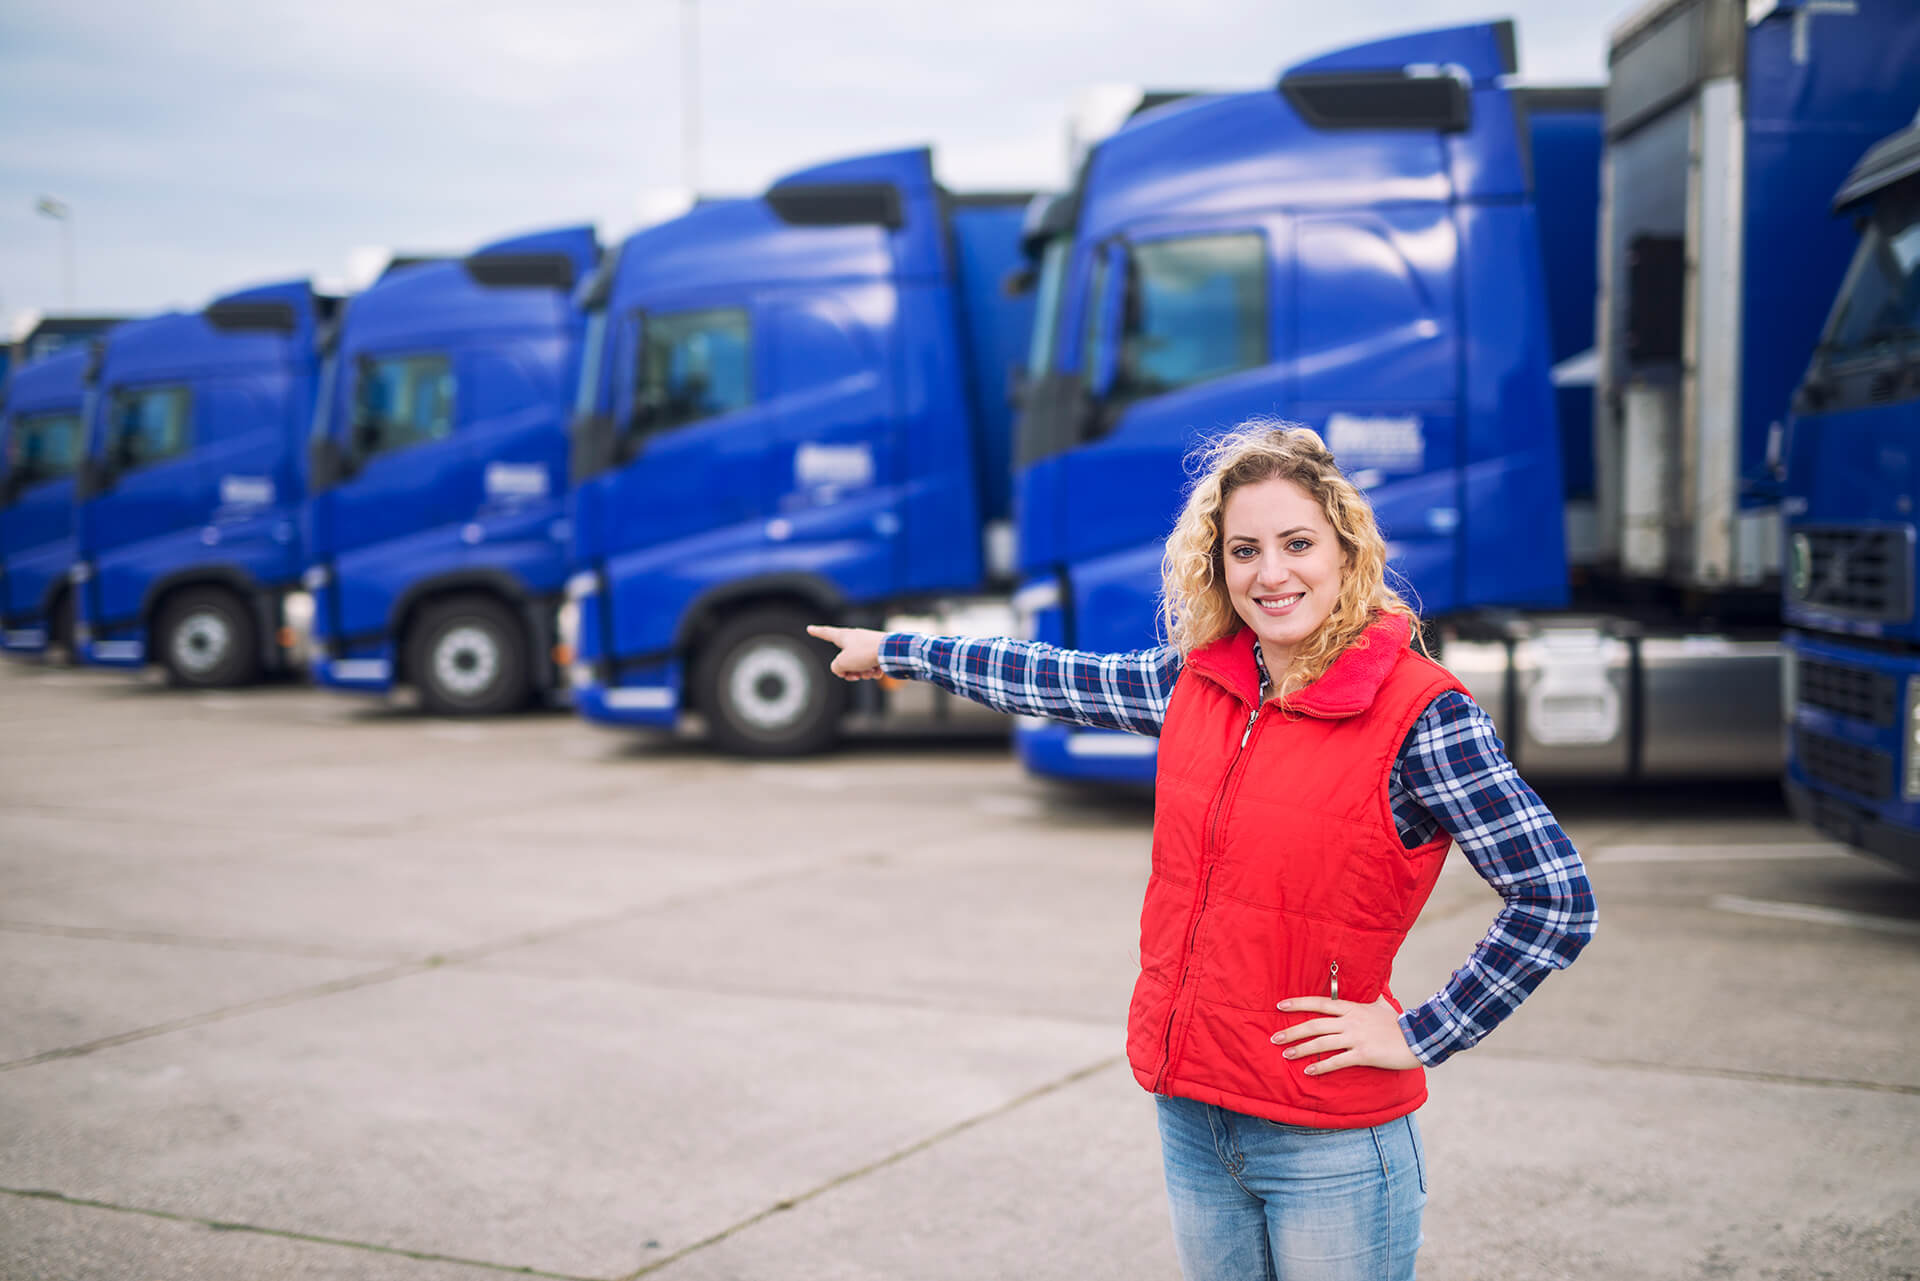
<point x="1845" y="767"/>
<point x="1864" y="573"/>
<point x="1853" y="692"/>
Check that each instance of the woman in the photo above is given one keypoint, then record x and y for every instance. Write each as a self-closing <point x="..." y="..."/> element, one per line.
<point x="1313" y="770"/>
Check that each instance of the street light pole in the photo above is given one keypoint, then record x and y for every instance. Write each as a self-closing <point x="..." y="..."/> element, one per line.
<point x="61" y="212"/>
<point x="690" y="96"/>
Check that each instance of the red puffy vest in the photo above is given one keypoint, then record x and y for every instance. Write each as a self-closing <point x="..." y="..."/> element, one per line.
<point x="1277" y="872"/>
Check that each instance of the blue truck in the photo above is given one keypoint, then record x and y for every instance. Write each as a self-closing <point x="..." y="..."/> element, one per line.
<point x="793" y="408"/>
<point x="1852" y="470"/>
<point x="1396" y="246"/>
<point x="436" y="527"/>
<point x="188" y="498"/>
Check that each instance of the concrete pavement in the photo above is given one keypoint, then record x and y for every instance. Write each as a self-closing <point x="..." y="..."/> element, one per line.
<point x="298" y="985"/>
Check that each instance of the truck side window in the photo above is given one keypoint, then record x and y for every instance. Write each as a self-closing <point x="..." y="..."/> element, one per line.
<point x="43" y="447"/>
<point x="151" y="425"/>
<point x="402" y="401"/>
<point x="1878" y="312"/>
<point x="1195" y="309"/>
<point x="693" y="365"/>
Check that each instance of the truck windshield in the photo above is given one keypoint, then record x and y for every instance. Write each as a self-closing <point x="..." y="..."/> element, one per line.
<point x="1046" y="305"/>
<point x="1878" y="310"/>
<point x="591" y="353"/>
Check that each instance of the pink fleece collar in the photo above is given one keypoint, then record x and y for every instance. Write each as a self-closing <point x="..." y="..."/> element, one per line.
<point x="1346" y="689"/>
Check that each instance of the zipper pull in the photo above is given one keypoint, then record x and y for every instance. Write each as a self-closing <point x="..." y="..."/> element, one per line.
<point x="1251" y="718"/>
<point x="1333" y="978"/>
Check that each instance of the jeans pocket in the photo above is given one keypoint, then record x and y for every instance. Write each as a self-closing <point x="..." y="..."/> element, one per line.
<point x="1307" y="1131"/>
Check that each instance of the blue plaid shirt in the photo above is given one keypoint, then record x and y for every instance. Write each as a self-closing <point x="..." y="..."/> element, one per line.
<point x="1452" y="773"/>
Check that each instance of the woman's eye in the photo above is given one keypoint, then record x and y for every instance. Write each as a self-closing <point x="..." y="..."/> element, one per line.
<point x="1299" y="545"/>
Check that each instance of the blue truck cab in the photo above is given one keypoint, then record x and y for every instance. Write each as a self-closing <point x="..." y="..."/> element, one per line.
<point x="793" y="409"/>
<point x="1397" y="247"/>
<point x="1852" y="474"/>
<point x="1358" y="249"/>
<point x="436" y="526"/>
<point x="42" y="438"/>
<point x="188" y="498"/>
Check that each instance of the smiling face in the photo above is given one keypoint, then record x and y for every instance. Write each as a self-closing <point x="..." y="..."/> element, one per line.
<point x="1282" y="564"/>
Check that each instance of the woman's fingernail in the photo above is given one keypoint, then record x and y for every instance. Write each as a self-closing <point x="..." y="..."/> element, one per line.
<point x="1286" y="1054"/>
<point x="1284" y="1005"/>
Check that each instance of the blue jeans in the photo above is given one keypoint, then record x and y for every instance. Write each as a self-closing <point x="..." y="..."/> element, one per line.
<point x="1254" y="1199"/>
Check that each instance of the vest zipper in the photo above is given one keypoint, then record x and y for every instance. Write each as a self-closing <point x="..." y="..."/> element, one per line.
<point x="1333" y="979"/>
<point x="1206" y="889"/>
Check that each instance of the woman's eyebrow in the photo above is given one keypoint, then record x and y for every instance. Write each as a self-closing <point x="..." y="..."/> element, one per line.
<point x="1285" y="533"/>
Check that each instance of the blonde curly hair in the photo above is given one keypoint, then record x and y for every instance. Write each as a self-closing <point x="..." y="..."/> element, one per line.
<point x="1194" y="607"/>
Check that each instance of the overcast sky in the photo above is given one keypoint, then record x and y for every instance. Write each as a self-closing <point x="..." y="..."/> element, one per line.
<point x="202" y="145"/>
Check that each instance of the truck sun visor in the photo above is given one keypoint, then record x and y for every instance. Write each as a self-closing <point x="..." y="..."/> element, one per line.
<point x="247" y="317"/>
<point x="1887" y="162"/>
<point x="521" y="271"/>
<point x="839" y="205"/>
<point x="1378" y="100"/>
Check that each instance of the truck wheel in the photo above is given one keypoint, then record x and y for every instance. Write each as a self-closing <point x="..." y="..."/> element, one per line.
<point x="206" y="640"/>
<point x="766" y="687"/>
<point x="467" y="656"/>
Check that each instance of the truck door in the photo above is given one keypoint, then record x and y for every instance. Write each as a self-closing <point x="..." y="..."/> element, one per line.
<point x="400" y="434"/>
<point x="1376" y="362"/>
<point x="1179" y="334"/>
<point x="160" y="487"/>
<point x="696" y="431"/>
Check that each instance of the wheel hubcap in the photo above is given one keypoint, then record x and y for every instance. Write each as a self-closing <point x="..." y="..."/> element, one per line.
<point x="769" y="686"/>
<point x="466" y="660"/>
<point x="201" y="642"/>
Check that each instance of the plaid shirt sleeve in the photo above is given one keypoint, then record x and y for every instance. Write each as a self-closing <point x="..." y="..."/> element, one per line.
<point x="1453" y="773"/>
<point x="1028" y="678"/>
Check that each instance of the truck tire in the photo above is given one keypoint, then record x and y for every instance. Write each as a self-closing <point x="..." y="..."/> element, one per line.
<point x="467" y="656"/>
<point x="206" y="639"/>
<point x="767" y="689"/>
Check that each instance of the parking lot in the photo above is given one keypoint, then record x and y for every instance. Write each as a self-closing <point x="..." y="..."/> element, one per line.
<point x="298" y="985"/>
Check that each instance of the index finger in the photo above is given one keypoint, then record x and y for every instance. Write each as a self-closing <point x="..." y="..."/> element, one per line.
<point x="1314" y="1005"/>
<point x="823" y="632"/>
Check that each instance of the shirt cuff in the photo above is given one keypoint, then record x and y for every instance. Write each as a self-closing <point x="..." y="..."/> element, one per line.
<point x="897" y="656"/>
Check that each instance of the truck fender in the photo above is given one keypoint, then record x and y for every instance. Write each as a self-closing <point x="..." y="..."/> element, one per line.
<point x="807" y="590"/>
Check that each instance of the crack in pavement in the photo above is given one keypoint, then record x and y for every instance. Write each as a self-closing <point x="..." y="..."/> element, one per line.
<point x="286" y="1234"/>
<point x="1686" y="1069"/>
<point x="212" y="944"/>
<point x="892" y="1158"/>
